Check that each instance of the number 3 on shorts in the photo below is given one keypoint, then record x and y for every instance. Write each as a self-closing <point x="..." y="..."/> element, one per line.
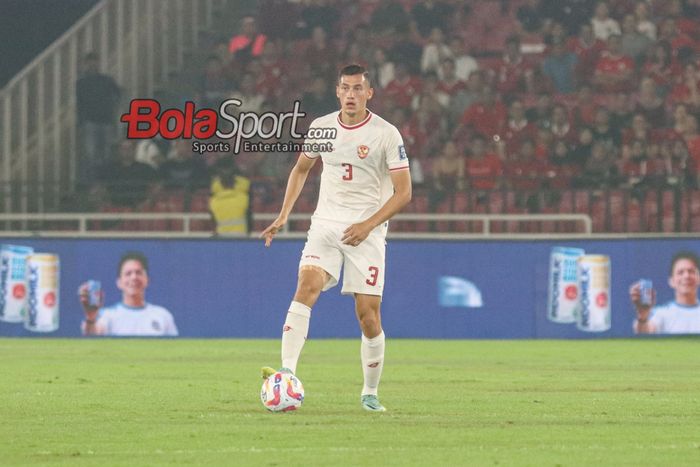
<point x="374" y="274"/>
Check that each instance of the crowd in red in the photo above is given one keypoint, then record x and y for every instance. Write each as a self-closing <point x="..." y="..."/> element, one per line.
<point x="525" y="95"/>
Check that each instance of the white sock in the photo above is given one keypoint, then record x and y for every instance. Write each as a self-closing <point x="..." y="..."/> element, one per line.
<point x="296" y="328"/>
<point x="372" y="352"/>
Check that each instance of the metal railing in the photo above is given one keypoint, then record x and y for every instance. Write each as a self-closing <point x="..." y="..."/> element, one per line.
<point x="139" y="43"/>
<point x="181" y="224"/>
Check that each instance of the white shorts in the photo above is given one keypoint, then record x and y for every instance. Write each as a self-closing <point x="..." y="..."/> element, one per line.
<point x="364" y="264"/>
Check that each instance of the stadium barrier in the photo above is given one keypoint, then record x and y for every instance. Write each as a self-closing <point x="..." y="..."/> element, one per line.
<point x="434" y="289"/>
<point x="185" y="224"/>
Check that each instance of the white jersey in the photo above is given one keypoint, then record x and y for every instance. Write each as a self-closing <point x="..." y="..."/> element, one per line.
<point x="123" y="320"/>
<point x="673" y="318"/>
<point x="356" y="177"/>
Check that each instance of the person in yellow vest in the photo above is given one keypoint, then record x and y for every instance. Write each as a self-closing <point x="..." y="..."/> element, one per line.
<point x="229" y="202"/>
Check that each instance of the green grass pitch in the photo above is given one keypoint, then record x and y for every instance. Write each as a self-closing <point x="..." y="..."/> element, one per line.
<point x="196" y="402"/>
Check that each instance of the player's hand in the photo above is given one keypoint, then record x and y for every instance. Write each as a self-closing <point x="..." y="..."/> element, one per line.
<point x="636" y="298"/>
<point x="356" y="233"/>
<point x="272" y="230"/>
<point x="90" y="311"/>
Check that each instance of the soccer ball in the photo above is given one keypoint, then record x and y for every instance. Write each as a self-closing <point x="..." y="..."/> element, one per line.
<point x="282" y="392"/>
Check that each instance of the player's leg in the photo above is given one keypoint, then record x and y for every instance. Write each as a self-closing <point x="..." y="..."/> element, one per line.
<point x="296" y="325"/>
<point x="367" y="309"/>
<point x="319" y="270"/>
<point x="364" y="278"/>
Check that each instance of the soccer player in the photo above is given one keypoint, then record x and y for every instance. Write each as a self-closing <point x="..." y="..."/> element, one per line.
<point x="133" y="316"/>
<point x="682" y="315"/>
<point x="365" y="181"/>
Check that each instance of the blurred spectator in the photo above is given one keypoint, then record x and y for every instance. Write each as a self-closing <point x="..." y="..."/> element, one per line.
<point x="511" y="72"/>
<point x="448" y="82"/>
<point x="571" y="13"/>
<point x="678" y="40"/>
<point x="151" y="152"/>
<point x="614" y="71"/>
<point x="248" y="43"/>
<point x="431" y="98"/>
<point x="448" y="174"/>
<point x="484" y="168"/>
<point x="382" y="69"/>
<point x="407" y="50"/>
<point x="127" y="180"/>
<point x="184" y="169"/>
<point x="523" y="171"/>
<point x="620" y="107"/>
<point x="678" y="120"/>
<point x="660" y="66"/>
<point x="650" y="104"/>
<point x="603" y="130"/>
<point x="319" y="99"/>
<point x="230" y="203"/>
<point x="585" y="107"/>
<point x="467" y="96"/>
<point x="603" y="25"/>
<point x="251" y="99"/>
<point x="434" y="51"/>
<point x="582" y="150"/>
<point x="97" y="96"/>
<point x="465" y="64"/>
<point x="687" y="90"/>
<point x="215" y="83"/>
<point x="560" y="67"/>
<point x="587" y="49"/>
<point x="403" y="87"/>
<point x="645" y="25"/>
<point x="517" y="128"/>
<point x="563" y="165"/>
<point x="634" y="43"/>
<point x="561" y="127"/>
<point x="430" y="14"/>
<point x="530" y="16"/>
<point x="389" y="17"/>
<point x="600" y="170"/>
<point x="322" y="13"/>
<point x="487" y="116"/>
<point x="321" y="57"/>
<point x="691" y="136"/>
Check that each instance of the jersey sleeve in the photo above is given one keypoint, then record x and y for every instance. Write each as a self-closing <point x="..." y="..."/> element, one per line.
<point x="657" y="318"/>
<point x="309" y="141"/>
<point x="170" y="327"/>
<point x="394" y="151"/>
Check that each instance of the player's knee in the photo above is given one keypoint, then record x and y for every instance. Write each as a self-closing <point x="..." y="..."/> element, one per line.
<point x="370" y="323"/>
<point x="308" y="288"/>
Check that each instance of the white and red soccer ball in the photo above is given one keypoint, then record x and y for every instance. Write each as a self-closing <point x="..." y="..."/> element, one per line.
<point x="282" y="392"/>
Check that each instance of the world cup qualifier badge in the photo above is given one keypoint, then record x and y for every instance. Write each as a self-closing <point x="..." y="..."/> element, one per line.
<point x="362" y="151"/>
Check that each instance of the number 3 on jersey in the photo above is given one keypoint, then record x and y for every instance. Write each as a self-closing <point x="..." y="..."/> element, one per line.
<point x="348" y="172"/>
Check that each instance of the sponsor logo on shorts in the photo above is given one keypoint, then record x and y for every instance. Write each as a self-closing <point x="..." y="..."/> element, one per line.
<point x="312" y="257"/>
<point x="286" y="328"/>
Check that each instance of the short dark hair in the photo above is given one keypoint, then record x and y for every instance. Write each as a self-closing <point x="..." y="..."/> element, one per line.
<point x="353" y="69"/>
<point x="132" y="256"/>
<point x="684" y="254"/>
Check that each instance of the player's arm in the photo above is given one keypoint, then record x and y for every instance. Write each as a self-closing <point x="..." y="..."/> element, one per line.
<point x="401" y="180"/>
<point x="90" y="325"/>
<point x="295" y="183"/>
<point x="642" y="325"/>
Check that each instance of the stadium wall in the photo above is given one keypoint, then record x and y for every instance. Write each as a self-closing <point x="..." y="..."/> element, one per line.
<point x="237" y="288"/>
